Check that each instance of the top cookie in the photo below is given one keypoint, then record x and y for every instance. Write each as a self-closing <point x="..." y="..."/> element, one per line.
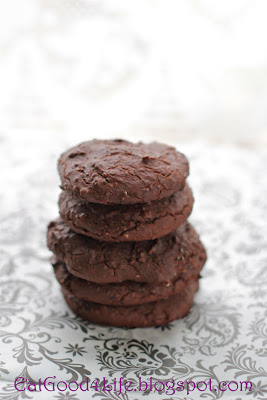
<point x="120" y="172"/>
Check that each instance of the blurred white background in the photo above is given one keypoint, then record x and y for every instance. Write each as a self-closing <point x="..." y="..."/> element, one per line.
<point x="172" y="70"/>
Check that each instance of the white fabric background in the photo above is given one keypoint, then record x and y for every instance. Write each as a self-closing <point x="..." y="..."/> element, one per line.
<point x="184" y="69"/>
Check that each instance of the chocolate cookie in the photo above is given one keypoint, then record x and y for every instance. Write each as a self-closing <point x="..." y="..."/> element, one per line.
<point x="128" y="292"/>
<point x="122" y="223"/>
<point x="149" y="314"/>
<point x="152" y="261"/>
<point x="120" y="172"/>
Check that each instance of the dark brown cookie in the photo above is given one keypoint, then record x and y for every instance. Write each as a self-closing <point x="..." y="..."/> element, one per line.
<point x="152" y="261"/>
<point x="128" y="292"/>
<point x="122" y="223"/>
<point x="143" y="315"/>
<point x="120" y="172"/>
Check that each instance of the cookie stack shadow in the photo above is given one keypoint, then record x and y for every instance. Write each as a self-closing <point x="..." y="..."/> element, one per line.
<point x="124" y="253"/>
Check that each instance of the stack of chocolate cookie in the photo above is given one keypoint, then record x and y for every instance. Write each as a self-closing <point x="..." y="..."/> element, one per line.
<point x="124" y="253"/>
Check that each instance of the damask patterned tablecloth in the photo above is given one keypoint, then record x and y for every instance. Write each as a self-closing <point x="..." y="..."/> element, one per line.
<point x="224" y="338"/>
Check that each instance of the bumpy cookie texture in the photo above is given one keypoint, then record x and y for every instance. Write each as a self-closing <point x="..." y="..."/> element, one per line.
<point x="152" y="261"/>
<point x="128" y="292"/>
<point x="120" y="172"/>
<point x="144" y="315"/>
<point x="120" y="223"/>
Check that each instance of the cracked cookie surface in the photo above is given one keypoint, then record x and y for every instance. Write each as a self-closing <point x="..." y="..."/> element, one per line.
<point x="121" y="223"/>
<point x="126" y="293"/>
<point x="120" y="172"/>
<point x="142" y="315"/>
<point x="152" y="261"/>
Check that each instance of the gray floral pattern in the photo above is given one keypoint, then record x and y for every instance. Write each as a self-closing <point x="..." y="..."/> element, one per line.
<point x="224" y="338"/>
